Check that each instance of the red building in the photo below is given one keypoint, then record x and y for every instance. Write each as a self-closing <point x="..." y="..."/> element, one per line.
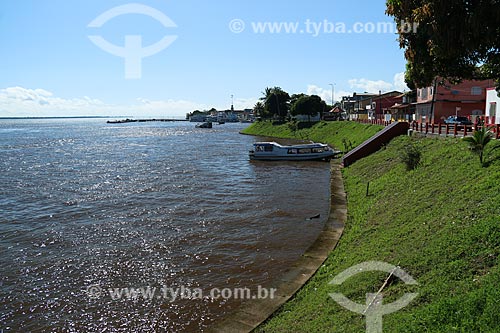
<point x="382" y="104"/>
<point x="436" y="103"/>
<point x="376" y="106"/>
<point x="405" y="111"/>
<point x="334" y="114"/>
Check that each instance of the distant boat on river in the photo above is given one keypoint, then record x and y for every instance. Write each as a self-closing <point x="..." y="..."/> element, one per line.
<point x="204" y="125"/>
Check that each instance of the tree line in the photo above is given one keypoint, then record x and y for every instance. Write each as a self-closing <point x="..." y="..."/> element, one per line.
<point x="278" y="104"/>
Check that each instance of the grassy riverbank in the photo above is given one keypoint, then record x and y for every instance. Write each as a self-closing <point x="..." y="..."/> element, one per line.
<point x="327" y="132"/>
<point x="440" y="223"/>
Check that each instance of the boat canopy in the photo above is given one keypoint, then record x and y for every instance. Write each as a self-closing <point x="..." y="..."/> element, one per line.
<point x="298" y="146"/>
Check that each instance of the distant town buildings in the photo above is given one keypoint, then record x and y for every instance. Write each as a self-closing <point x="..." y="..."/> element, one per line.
<point x="336" y="113"/>
<point x="369" y="106"/>
<point x="228" y="116"/>
<point x="351" y="104"/>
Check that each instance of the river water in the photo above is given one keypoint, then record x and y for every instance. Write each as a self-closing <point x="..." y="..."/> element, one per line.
<point x="89" y="209"/>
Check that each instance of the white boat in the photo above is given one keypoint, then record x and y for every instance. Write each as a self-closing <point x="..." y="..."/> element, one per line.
<point x="272" y="151"/>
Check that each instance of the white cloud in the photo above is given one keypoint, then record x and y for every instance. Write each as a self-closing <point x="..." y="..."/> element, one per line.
<point x="370" y="86"/>
<point x="399" y="82"/>
<point x="23" y="102"/>
<point x="359" y="85"/>
<point x="365" y="85"/>
<point x="13" y="94"/>
<point x="168" y="107"/>
<point x="326" y="93"/>
<point x="34" y="102"/>
<point x="244" y="103"/>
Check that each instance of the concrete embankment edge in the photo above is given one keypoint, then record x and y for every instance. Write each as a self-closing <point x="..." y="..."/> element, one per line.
<point x="254" y="312"/>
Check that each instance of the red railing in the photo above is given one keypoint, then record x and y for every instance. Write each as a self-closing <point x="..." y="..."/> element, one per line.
<point x="381" y="122"/>
<point x="452" y="129"/>
<point x="456" y="130"/>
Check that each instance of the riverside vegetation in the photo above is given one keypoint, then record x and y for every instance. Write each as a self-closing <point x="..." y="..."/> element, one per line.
<point x="440" y="222"/>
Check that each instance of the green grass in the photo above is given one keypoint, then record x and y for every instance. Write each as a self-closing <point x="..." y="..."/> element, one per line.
<point x="326" y="132"/>
<point x="440" y="223"/>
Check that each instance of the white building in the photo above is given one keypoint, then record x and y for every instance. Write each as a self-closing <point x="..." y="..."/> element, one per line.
<point x="303" y="117"/>
<point x="492" y="105"/>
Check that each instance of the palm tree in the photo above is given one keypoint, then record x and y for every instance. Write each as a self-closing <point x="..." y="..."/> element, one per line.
<point x="258" y="109"/>
<point x="267" y="93"/>
<point x="478" y="142"/>
<point x="276" y="102"/>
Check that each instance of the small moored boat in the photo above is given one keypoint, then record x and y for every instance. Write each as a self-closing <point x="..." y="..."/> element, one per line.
<point x="204" y="125"/>
<point x="272" y="151"/>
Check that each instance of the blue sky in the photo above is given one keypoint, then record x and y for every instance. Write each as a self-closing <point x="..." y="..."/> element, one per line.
<point x="50" y="67"/>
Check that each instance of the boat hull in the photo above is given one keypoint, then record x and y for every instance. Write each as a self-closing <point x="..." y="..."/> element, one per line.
<point x="204" y="125"/>
<point x="323" y="157"/>
<point x="272" y="151"/>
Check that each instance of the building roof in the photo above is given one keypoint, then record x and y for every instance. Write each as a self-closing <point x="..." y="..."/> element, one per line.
<point x="385" y="95"/>
<point x="399" y="106"/>
<point x="336" y="109"/>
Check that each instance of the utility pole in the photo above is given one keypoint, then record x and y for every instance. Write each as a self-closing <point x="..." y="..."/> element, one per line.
<point x="333" y="92"/>
<point x="380" y="101"/>
<point x="434" y="86"/>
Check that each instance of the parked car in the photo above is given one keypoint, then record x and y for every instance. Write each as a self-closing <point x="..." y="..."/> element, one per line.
<point x="457" y="120"/>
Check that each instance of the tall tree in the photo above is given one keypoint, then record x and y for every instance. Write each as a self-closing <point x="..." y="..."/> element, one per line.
<point x="276" y="102"/>
<point x="308" y="105"/>
<point x="453" y="39"/>
<point x="295" y="97"/>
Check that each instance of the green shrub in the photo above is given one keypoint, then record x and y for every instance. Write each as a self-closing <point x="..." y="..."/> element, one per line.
<point x="478" y="142"/>
<point x="347" y="145"/>
<point x="411" y="155"/>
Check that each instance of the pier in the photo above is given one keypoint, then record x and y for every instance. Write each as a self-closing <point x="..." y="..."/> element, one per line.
<point x="123" y="121"/>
